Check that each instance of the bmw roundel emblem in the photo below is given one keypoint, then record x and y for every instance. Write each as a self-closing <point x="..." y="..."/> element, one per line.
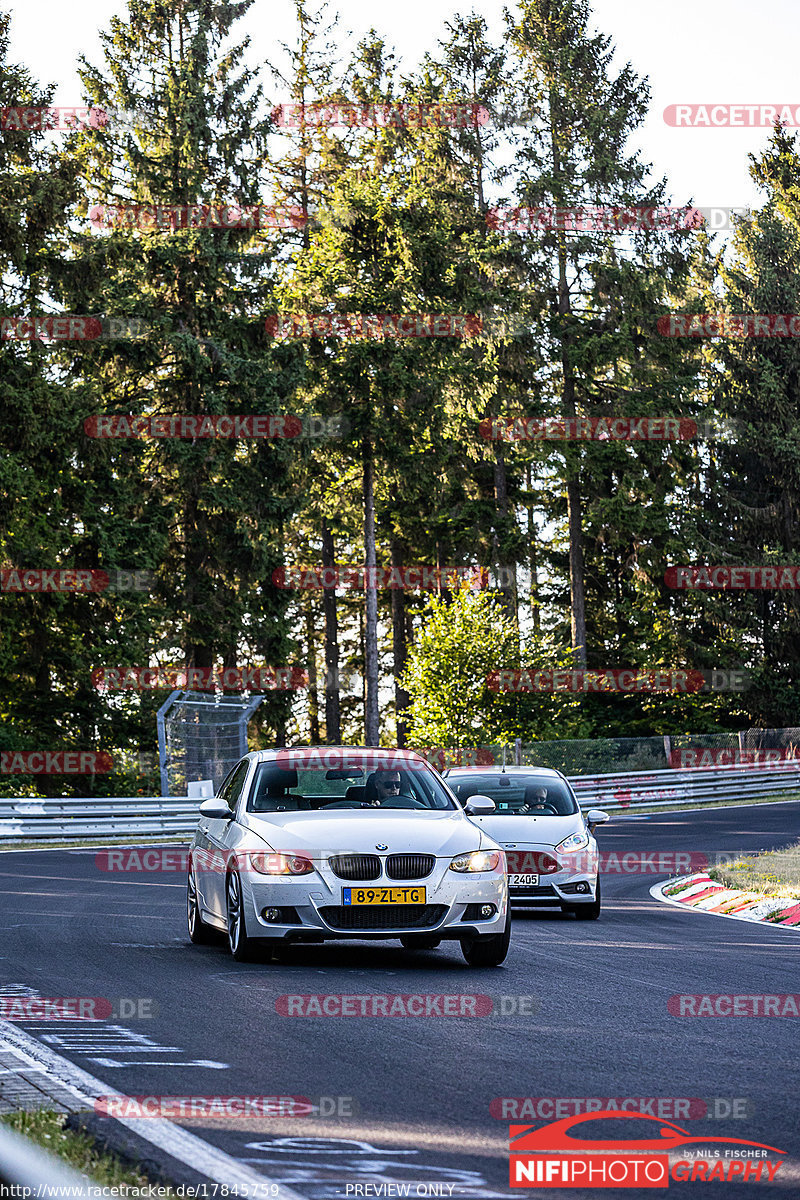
<point x="381" y="846"/>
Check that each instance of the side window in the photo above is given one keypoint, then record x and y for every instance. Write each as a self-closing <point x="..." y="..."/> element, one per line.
<point x="231" y="789"/>
<point x="223" y="791"/>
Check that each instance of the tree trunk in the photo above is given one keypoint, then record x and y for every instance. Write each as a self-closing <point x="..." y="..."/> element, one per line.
<point x="577" y="601"/>
<point x="313" y="695"/>
<point x="399" y="647"/>
<point x="506" y="569"/>
<point x="371" y="731"/>
<point x="333" y="729"/>
<point x="441" y="587"/>
<point x="532" y="557"/>
<point x="572" y="454"/>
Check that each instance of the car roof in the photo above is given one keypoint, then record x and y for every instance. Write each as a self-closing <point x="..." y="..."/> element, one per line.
<point x="546" y="772"/>
<point x="380" y="756"/>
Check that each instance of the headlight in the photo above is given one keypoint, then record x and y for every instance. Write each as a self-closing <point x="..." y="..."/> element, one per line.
<point x="280" y="864"/>
<point x="478" y="860"/>
<point x="575" y="841"/>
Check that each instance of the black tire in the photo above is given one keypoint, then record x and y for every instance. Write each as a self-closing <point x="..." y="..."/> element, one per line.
<point x="200" y="934"/>
<point x="487" y="949"/>
<point x="586" y="912"/>
<point x="242" y="947"/>
<point x="420" y="941"/>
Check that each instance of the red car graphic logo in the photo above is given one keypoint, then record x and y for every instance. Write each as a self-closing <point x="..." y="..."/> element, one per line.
<point x="555" y="1137"/>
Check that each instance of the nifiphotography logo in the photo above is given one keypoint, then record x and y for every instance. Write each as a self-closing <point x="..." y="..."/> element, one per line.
<point x="551" y="1156"/>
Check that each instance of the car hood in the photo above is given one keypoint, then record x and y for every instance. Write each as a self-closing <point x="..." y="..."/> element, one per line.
<point x="317" y="833"/>
<point x="530" y="831"/>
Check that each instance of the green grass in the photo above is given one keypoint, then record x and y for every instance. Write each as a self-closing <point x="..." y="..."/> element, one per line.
<point x="773" y="873"/>
<point x="78" y="1151"/>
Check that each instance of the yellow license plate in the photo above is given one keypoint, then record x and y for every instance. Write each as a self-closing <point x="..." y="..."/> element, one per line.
<point x="390" y="895"/>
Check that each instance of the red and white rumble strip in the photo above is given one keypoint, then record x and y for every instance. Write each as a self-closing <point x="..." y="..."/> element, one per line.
<point x="699" y="891"/>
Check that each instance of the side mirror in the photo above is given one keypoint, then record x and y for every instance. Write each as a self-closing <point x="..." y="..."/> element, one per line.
<point x="479" y="806"/>
<point x="594" y="817"/>
<point x="216" y="810"/>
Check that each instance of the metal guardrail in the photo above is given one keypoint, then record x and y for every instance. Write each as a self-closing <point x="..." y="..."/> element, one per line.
<point x="150" y="816"/>
<point x="96" y="817"/>
<point x="652" y="789"/>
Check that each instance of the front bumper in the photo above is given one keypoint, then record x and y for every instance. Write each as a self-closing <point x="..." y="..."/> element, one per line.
<point x="311" y="907"/>
<point x="575" y="883"/>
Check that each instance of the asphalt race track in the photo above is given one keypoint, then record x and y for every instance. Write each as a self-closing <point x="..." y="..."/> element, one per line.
<point x="420" y="1089"/>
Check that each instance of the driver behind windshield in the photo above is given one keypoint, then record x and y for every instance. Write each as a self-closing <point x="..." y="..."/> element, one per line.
<point x="382" y="786"/>
<point x="535" y="800"/>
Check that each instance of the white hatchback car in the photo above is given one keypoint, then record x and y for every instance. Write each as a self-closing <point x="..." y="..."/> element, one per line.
<point x="552" y="854"/>
<point x="323" y="843"/>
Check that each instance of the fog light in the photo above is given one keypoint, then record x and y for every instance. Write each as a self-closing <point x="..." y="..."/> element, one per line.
<point x="487" y="910"/>
<point x="272" y="914"/>
<point x="583" y="887"/>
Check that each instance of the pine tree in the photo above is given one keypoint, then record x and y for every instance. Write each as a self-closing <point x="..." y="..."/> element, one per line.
<point x="218" y="506"/>
<point x="602" y="298"/>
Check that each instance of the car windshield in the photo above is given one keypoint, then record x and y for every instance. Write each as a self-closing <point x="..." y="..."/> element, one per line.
<point x="309" y="781"/>
<point x="517" y="795"/>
